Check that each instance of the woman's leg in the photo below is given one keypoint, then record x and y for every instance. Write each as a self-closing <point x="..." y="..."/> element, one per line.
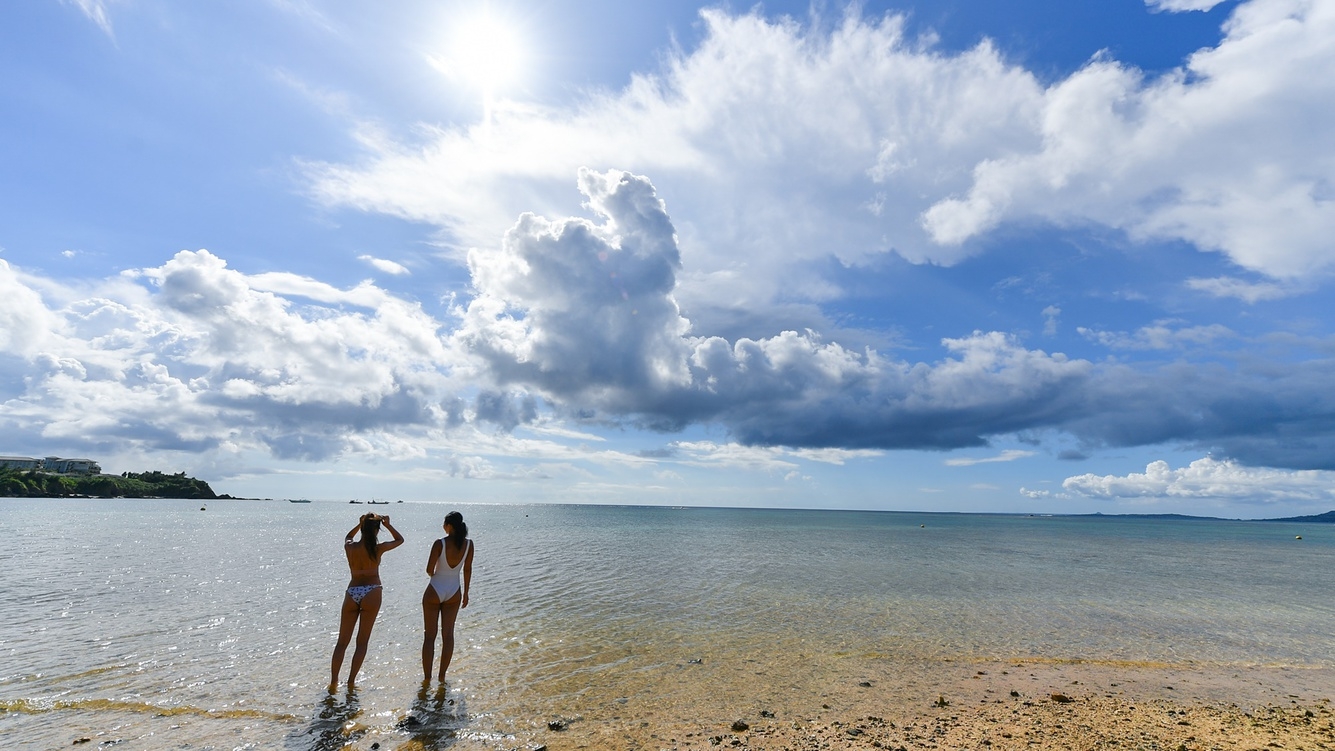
<point x="449" y="611"/>
<point x="430" y="617"/>
<point x="347" y="620"/>
<point x="370" y="609"/>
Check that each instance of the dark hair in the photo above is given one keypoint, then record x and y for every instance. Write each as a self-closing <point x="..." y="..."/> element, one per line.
<point x="370" y="528"/>
<point x="456" y="520"/>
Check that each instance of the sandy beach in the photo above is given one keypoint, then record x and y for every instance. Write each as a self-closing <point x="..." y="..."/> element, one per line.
<point x="999" y="706"/>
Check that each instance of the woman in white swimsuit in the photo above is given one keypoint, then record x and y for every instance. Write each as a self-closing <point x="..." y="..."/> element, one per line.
<point x="361" y="602"/>
<point x="450" y="556"/>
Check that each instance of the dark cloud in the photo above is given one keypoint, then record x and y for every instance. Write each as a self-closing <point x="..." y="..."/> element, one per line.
<point x="584" y="314"/>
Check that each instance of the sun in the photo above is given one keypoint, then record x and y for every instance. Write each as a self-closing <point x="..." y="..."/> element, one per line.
<point x="484" y="51"/>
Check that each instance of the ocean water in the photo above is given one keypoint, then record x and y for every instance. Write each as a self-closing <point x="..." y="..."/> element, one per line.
<point x="154" y="624"/>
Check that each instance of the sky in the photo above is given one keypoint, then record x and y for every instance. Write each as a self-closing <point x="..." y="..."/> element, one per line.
<point x="1023" y="257"/>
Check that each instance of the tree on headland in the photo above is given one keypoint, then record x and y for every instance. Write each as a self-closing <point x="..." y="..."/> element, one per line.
<point x="36" y="484"/>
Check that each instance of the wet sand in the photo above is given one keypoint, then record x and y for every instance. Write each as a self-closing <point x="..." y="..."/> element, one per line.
<point x="983" y="705"/>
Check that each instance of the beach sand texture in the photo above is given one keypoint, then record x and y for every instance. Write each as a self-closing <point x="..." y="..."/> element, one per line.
<point x="999" y="707"/>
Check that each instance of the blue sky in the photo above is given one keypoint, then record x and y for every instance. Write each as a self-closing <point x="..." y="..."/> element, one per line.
<point x="953" y="256"/>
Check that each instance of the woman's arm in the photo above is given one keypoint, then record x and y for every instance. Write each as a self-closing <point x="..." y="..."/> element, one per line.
<point x="433" y="559"/>
<point x="347" y="539"/>
<point x="398" y="538"/>
<point x="468" y="574"/>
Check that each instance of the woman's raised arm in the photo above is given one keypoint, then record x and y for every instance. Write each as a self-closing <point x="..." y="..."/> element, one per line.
<point x="398" y="538"/>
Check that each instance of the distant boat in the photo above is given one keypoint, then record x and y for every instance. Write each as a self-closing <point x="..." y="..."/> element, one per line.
<point x="378" y="503"/>
<point x="354" y="502"/>
<point x="298" y="500"/>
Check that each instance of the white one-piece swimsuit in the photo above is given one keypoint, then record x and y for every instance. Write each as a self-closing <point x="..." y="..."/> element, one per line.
<point x="446" y="579"/>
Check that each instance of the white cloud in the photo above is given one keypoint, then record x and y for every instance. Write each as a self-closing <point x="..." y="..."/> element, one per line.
<point x="1051" y="318"/>
<point x="776" y="145"/>
<point x="574" y="323"/>
<point x="1180" y="6"/>
<point x="733" y="455"/>
<point x="1212" y="479"/>
<point x="205" y="355"/>
<point x="1161" y="335"/>
<point x="835" y="456"/>
<point x="1224" y="153"/>
<point x="95" y="11"/>
<point x="1008" y="455"/>
<point x="584" y="314"/>
<point x="1248" y="292"/>
<point x="25" y="322"/>
<point x="387" y="266"/>
<point x="772" y="139"/>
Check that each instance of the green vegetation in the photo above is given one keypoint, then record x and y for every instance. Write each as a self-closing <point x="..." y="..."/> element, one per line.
<point x="34" y="484"/>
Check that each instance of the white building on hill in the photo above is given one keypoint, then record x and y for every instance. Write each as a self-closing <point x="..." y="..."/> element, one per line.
<point x="55" y="464"/>
<point x="20" y="462"/>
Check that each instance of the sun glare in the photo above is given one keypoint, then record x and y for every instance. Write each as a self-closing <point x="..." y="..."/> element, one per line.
<point x="485" y="52"/>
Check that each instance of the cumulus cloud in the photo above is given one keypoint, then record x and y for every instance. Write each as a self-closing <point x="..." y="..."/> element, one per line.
<point x="779" y="145"/>
<point x="574" y="321"/>
<point x="1221" y="153"/>
<point x="203" y="355"/>
<point x="774" y="139"/>
<point x="1212" y="479"/>
<point x="582" y="310"/>
<point x="584" y="313"/>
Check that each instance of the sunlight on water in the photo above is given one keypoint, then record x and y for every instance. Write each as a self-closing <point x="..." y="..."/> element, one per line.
<point x="156" y="622"/>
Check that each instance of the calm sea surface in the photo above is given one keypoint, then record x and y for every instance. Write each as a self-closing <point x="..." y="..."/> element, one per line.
<point x="159" y="625"/>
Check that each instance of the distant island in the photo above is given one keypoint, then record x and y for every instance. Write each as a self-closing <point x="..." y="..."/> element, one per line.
<point x="16" y="483"/>
<point x="1326" y="518"/>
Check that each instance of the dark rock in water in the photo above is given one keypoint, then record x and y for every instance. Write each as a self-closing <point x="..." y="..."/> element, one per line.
<point x="558" y="725"/>
<point x="81" y="740"/>
<point x="409" y="722"/>
<point x="766" y="713"/>
<point x="1015" y="693"/>
<point x="739" y="726"/>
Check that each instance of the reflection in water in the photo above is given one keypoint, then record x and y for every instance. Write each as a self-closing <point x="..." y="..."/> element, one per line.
<point x="331" y="728"/>
<point x="436" y="718"/>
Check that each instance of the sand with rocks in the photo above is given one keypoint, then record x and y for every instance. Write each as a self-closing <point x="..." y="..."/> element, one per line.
<point x="992" y="706"/>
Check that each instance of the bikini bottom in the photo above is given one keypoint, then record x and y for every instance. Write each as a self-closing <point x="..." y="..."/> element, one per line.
<point x="357" y="593"/>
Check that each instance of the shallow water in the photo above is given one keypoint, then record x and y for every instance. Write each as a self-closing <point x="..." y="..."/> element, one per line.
<point x="164" y="626"/>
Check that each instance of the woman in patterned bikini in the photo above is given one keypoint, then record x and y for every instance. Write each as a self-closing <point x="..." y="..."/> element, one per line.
<point x="361" y="602"/>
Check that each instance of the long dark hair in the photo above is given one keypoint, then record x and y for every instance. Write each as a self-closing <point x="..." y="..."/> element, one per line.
<point x="456" y="520"/>
<point x="370" y="528"/>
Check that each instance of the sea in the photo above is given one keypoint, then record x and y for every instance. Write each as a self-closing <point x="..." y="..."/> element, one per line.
<point x="177" y="624"/>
